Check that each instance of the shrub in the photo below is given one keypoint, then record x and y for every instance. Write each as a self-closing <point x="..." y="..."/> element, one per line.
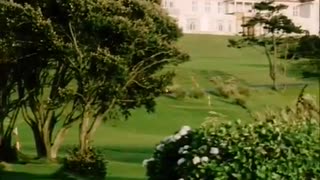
<point x="229" y="88"/>
<point x="180" y="93"/>
<point x="244" y="91"/>
<point x="176" y="92"/>
<point x="5" y="166"/>
<point x="280" y="144"/>
<point x="288" y="50"/>
<point x="196" y="93"/>
<point x="224" y="88"/>
<point x="91" y="165"/>
<point x="241" y="102"/>
<point x="2" y="166"/>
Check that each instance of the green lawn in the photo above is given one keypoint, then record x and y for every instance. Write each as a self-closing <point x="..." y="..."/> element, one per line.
<point x="127" y="143"/>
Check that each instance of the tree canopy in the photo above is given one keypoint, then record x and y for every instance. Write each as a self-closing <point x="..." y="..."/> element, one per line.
<point x="87" y="61"/>
<point x="309" y="47"/>
<point x="277" y="28"/>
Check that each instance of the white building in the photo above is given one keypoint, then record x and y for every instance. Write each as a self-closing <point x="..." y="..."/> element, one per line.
<point x="225" y="17"/>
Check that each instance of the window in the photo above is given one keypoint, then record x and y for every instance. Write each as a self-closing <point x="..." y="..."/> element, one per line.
<point x="192" y="25"/>
<point x="248" y="7"/>
<point x="230" y="26"/>
<point x="305" y="11"/>
<point x="171" y="4"/>
<point x="207" y="7"/>
<point x="220" y="25"/>
<point x="295" y="11"/>
<point x="220" y="7"/>
<point x="165" y="3"/>
<point x="194" y="6"/>
<point x="239" y="7"/>
<point x="168" y="4"/>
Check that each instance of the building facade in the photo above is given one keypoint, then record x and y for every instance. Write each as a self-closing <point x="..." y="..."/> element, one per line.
<point x="225" y="17"/>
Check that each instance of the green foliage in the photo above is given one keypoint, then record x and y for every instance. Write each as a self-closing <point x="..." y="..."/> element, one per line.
<point x="230" y="89"/>
<point x="245" y="91"/>
<point x="91" y="165"/>
<point x="241" y="101"/>
<point x="279" y="145"/>
<point x="179" y="93"/>
<point x="23" y="57"/>
<point x="309" y="47"/>
<point x="289" y="52"/>
<point x="196" y="93"/>
<point x="156" y="1"/>
<point x="269" y="16"/>
<point x="2" y="167"/>
<point x="96" y="57"/>
<point x="5" y="167"/>
<point x="129" y="40"/>
<point x="276" y="27"/>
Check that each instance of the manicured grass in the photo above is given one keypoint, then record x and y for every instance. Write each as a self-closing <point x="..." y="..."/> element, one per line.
<point x="127" y="143"/>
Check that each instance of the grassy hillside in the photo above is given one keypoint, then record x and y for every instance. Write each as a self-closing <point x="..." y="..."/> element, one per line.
<point x="127" y="143"/>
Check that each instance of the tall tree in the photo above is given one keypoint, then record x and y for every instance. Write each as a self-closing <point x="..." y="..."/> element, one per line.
<point x="8" y="106"/>
<point x="309" y="47"/>
<point x="276" y="27"/>
<point x="16" y="54"/>
<point x="92" y="59"/>
<point x="122" y="68"/>
<point x="40" y="72"/>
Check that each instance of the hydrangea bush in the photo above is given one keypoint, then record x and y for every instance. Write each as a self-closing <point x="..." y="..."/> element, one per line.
<point x="281" y="145"/>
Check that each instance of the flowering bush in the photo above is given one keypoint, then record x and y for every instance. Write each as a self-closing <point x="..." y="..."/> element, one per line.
<point x="284" y="145"/>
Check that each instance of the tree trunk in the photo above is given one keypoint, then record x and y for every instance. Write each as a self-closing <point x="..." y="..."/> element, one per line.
<point x="94" y="126"/>
<point x="274" y="84"/>
<point x="43" y="142"/>
<point x="39" y="142"/>
<point x="1" y="131"/>
<point x="272" y="74"/>
<point x="286" y="51"/>
<point x="274" y="64"/>
<point x="7" y="152"/>
<point x="83" y="133"/>
<point x="284" y="66"/>
<point x="87" y="129"/>
<point x="58" y="142"/>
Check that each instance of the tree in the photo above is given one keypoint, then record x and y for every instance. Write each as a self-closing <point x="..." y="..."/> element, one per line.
<point x="276" y="27"/>
<point x="93" y="59"/>
<point x="39" y="72"/>
<point x="309" y="47"/>
<point x="156" y="1"/>
<point x="121" y="69"/>
<point x="8" y="108"/>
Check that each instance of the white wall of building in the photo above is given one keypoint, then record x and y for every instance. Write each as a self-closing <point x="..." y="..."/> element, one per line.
<point x="218" y="16"/>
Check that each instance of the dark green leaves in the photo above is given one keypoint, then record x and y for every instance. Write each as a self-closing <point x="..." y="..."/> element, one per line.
<point x="90" y="57"/>
<point x="267" y="5"/>
<point x="270" y="148"/>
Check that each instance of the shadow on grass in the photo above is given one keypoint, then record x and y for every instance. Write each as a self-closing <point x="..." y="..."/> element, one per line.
<point x="288" y="85"/>
<point x="255" y="65"/>
<point x="169" y="96"/>
<point x="124" y="154"/>
<point x="22" y="175"/>
<point x="9" y="175"/>
<point x="122" y="178"/>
